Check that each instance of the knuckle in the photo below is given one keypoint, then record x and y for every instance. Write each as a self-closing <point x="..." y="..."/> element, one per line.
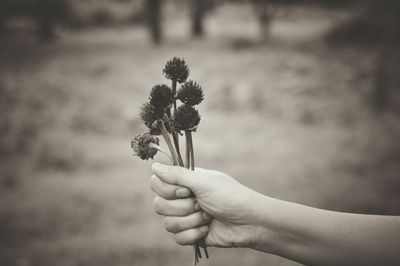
<point x="162" y="189"/>
<point x="198" y="219"/>
<point x="189" y="206"/>
<point x="194" y="206"/>
<point x="204" y="216"/>
<point x="156" y="205"/>
<point x="167" y="224"/>
<point x="179" y="240"/>
<point x="153" y="179"/>
<point x="170" y="225"/>
<point x="153" y="183"/>
<point x="195" y="234"/>
<point x="165" y="192"/>
<point x="155" y="201"/>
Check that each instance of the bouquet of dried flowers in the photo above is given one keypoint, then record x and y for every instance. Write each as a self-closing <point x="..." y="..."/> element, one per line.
<point x="163" y="115"/>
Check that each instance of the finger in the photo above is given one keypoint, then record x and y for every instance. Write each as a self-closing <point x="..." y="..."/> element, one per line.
<point x="190" y="236"/>
<point x="176" y="224"/>
<point x="178" y="207"/>
<point x="168" y="191"/>
<point x="176" y="175"/>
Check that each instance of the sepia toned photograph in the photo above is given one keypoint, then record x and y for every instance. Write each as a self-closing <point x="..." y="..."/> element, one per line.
<point x="199" y="132"/>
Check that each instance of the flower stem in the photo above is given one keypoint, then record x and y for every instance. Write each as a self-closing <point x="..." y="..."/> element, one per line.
<point x="155" y="146"/>
<point x="174" y="93"/>
<point x="189" y="140"/>
<point x="188" y="134"/>
<point x="204" y="248"/>
<point x="197" y="252"/>
<point x="175" y="138"/>
<point x="167" y="139"/>
<point x="190" y="164"/>
<point x="187" y="151"/>
<point x="196" y="257"/>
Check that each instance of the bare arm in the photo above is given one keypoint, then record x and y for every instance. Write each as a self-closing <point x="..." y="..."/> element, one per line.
<point x="229" y="214"/>
<point x="319" y="237"/>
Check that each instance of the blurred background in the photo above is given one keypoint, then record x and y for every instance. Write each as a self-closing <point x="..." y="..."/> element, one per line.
<point x="302" y="103"/>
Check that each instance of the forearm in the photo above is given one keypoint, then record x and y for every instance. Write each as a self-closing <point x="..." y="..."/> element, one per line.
<point x="318" y="237"/>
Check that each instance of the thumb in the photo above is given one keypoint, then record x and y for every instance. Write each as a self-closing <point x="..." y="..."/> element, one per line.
<point x="176" y="175"/>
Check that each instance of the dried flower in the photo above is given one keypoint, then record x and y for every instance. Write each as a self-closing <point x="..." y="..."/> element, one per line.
<point x="190" y="93"/>
<point x="161" y="96"/>
<point x="145" y="145"/>
<point x="163" y="116"/>
<point x="176" y="70"/>
<point x="186" y="118"/>
<point x="150" y="115"/>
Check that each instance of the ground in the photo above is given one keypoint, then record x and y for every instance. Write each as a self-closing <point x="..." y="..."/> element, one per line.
<point x="289" y="116"/>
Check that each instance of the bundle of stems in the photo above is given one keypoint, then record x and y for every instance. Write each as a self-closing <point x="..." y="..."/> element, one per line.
<point x="163" y="116"/>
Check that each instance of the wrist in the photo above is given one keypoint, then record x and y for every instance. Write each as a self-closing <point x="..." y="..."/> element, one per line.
<point x="275" y="230"/>
<point x="249" y="227"/>
<point x="286" y="229"/>
<point x="263" y="236"/>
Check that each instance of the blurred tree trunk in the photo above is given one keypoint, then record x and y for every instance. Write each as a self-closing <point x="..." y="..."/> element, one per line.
<point x="264" y="14"/>
<point x="4" y="9"/>
<point x="47" y="13"/>
<point x="387" y="67"/>
<point x="198" y="10"/>
<point x="154" y="19"/>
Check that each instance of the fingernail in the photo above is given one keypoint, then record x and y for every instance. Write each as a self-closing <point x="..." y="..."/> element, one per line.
<point x="205" y="216"/>
<point x="182" y="192"/>
<point x="161" y="168"/>
<point x="204" y="229"/>
<point x="196" y="206"/>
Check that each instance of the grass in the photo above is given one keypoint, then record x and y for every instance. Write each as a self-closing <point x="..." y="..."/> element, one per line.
<point x="295" y="114"/>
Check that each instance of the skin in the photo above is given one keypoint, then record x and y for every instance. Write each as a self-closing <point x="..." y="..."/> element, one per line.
<point x="213" y="205"/>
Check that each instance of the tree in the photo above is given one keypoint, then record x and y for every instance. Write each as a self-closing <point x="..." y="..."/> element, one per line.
<point x="198" y="10"/>
<point x="154" y="20"/>
<point x="385" y="14"/>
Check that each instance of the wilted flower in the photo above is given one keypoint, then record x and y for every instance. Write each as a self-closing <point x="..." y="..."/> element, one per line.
<point x="144" y="146"/>
<point x="176" y="70"/>
<point x="190" y="93"/>
<point x="161" y="96"/>
<point x="186" y="118"/>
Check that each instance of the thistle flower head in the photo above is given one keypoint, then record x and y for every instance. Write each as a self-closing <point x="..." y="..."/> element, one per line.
<point x="161" y="96"/>
<point x="176" y="70"/>
<point x="186" y="118"/>
<point x="142" y="146"/>
<point x="150" y="115"/>
<point x="190" y="93"/>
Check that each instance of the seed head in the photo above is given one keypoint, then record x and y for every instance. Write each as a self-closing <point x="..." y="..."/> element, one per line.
<point x="161" y="96"/>
<point x="186" y="118"/>
<point x="150" y="115"/>
<point x="176" y="70"/>
<point x="142" y="148"/>
<point x="190" y="93"/>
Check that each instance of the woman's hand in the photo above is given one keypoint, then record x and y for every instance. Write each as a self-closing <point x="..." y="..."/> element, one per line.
<point x="235" y="216"/>
<point x="221" y="206"/>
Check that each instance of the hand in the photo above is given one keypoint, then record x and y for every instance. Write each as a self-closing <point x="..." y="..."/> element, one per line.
<point x="227" y="214"/>
<point x="222" y="206"/>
